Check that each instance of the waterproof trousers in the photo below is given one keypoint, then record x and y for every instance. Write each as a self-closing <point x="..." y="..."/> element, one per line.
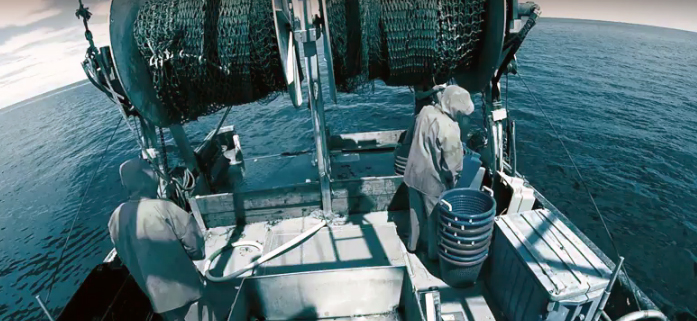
<point x="423" y="222"/>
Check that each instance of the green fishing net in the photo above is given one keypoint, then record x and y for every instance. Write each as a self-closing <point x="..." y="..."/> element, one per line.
<point x="207" y="54"/>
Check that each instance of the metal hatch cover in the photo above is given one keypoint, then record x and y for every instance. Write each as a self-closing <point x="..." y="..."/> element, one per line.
<point x="561" y="262"/>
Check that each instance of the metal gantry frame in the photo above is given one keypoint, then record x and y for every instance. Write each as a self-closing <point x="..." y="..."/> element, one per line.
<point x="306" y="34"/>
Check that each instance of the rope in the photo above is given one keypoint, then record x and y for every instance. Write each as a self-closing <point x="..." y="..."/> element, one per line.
<point x="77" y="214"/>
<point x="585" y="186"/>
<point x="506" y="105"/>
<point x="165" y="163"/>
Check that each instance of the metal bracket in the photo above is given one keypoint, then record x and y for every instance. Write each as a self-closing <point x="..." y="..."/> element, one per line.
<point x="328" y="49"/>
<point x="304" y="36"/>
<point x="499" y="115"/>
<point x="432" y="304"/>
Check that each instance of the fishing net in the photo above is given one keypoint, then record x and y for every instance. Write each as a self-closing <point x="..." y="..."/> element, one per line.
<point x="403" y="42"/>
<point x="207" y="54"/>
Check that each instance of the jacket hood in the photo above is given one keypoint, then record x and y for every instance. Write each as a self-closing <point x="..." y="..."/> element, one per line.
<point x="139" y="180"/>
<point x="455" y="102"/>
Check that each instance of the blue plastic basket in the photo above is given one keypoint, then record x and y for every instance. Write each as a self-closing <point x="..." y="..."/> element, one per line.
<point x="460" y="274"/>
<point x="467" y="246"/>
<point x="467" y="223"/>
<point x="465" y="230"/>
<point x="462" y="258"/>
<point x="464" y="239"/>
<point x="467" y="204"/>
<point x="460" y="252"/>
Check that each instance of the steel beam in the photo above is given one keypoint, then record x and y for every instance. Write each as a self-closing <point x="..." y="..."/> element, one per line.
<point x="189" y="156"/>
<point x="316" y="105"/>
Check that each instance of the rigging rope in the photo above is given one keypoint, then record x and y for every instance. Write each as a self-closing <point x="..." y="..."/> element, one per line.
<point x="77" y="214"/>
<point x="578" y="172"/>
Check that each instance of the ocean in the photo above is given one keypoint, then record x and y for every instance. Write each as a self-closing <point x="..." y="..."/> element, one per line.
<point x="623" y="97"/>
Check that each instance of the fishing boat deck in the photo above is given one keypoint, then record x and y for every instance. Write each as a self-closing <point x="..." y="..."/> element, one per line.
<point x="363" y="241"/>
<point x="273" y="172"/>
<point x="276" y="187"/>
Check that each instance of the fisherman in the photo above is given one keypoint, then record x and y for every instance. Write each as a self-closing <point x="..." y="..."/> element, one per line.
<point x="157" y="242"/>
<point x="435" y="160"/>
<point x="423" y="96"/>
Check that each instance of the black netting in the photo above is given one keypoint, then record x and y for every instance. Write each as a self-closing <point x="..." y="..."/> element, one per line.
<point x="205" y="55"/>
<point x="403" y="42"/>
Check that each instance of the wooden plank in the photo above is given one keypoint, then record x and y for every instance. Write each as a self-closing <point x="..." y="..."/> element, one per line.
<point x="197" y="214"/>
<point x="366" y="195"/>
<point x="563" y="254"/>
<point x="535" y="259"/>
<point x="260" y="215"/>
<point x="349" y="197"/>
<point x="286" y="196"/>
<point x="230" y="208"/>
<point x="578" y="245"/>
<point x="365" y="141"/>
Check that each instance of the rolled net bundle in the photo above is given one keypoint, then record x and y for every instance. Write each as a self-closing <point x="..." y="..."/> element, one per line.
<point x="205" y="55"/>
<point x="403" y="42"/>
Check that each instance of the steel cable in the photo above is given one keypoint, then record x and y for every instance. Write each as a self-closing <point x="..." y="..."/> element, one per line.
<point x="583" y="182"/>
<point x="77" y="214"/>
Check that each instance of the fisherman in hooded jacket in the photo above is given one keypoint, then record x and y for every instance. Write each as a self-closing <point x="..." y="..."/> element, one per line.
<point x="435" y="161"/>
<point x="157" y="242"/>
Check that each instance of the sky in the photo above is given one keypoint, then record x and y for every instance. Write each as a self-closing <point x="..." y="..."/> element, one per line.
<point x="42" y="43"/>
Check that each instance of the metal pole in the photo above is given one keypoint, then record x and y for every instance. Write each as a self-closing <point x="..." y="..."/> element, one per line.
<point x="608" y="290"/>
<point x="220" y="123"/>
<point x="43" y="307"/>
<point x="184" y="146"/>
<point x="187" y="153"/>
<point x="513" y="156"/>
<point x="148" y="131"/>
<point x="317" y="106"/>
<point x="490" y="125"/>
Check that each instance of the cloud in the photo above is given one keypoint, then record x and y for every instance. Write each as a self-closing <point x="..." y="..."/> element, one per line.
<point x="34" y="37"/>
<point x="19" y="13"/>
<point x="100" y="9"/>
<point x="43" y="60"/>
<point x="48" y="56"/>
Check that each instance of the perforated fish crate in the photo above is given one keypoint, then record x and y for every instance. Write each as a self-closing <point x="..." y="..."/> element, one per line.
<point x="541" y="270"/>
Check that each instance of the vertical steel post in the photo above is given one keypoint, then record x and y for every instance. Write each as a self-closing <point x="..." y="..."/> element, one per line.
<point x="188" y="154"/>
<point x="494" y="115"/>
<point x="149" y="136"/>
<point x="608" y="290"/>
<point x="490" y="125"/>
<point x="317" y="105"/>
<point x="151" y="141"/>
<point x="185" y="149"/>
<point x="513" y="154"/>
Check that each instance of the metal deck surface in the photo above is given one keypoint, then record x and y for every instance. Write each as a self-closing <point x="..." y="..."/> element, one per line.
<point x="369" y="240"/>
